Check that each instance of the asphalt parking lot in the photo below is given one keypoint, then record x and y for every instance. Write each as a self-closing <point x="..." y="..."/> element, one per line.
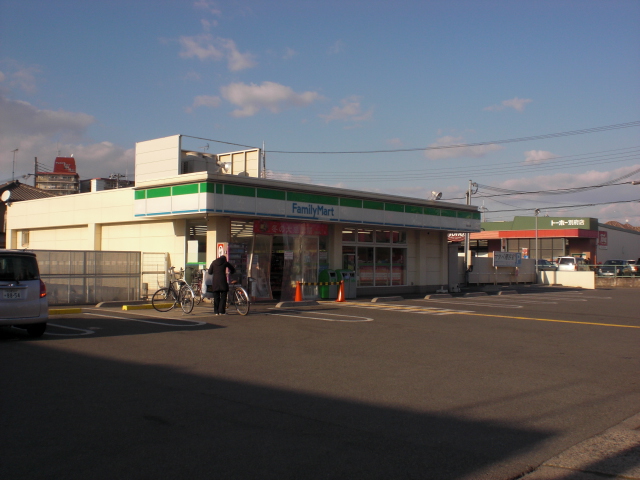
<point x="487" y="386"/>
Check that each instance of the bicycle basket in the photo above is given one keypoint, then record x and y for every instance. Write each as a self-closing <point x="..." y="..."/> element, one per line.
<point x="176" y="275"/>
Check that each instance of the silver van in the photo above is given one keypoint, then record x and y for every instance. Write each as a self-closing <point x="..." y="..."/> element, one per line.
<point x="23" y="295"/>
<point x="572" y="264"/>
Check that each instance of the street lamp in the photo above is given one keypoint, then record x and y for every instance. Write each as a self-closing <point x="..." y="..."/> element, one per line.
<point x="13" y="171"/>
<point x="536" y="212"/>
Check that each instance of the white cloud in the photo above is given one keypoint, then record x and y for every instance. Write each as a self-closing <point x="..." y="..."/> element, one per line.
<point x="289" y="53"/>
<point x="351" y="111"/>
<point x="534" y="157"/>
<point x="395" y="142"/>
<point x="515" y="103"/>
<point x="22" y="77"/>
<point x="206" y="47"/>
<point x="204" y="101"/>
<point x="269" y="95"/>
<point x="208" y="5"/>
<point x="44" y="133"/>
<point x="440" y="151"/>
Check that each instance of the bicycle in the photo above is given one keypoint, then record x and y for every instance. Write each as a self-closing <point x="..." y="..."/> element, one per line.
<point x="178" y="291"/>
<point x="196" y="286"/>
<point x="239" y="298"/>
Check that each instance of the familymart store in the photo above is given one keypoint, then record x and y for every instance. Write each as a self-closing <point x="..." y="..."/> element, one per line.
<point x="278" y="233"/>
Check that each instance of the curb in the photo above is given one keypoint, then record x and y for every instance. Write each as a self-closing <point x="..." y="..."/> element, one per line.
<point x="475" y="294"/>
<point x="508" y="292"/>
<point x="291" y="303"/>
<point x="387" y="299"/>
<point x="146" y="306"/>
<point x="438" y="295"/>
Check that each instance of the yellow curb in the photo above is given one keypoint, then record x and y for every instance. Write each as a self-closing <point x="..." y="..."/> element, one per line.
<point x="63" y="311"/>
<point x="145" y="306"/>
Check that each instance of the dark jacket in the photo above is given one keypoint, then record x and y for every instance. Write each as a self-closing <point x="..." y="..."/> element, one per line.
<point x="218" y="270"/>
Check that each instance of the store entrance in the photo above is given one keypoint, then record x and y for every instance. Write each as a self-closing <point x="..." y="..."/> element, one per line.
<point x="294" y="259"/>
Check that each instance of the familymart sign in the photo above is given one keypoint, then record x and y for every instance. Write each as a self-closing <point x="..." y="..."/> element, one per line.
<point x="220" y="198"/>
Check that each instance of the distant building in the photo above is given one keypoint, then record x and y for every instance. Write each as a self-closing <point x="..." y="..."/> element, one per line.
<point x="100" y="184"/>
<point x="63" y="180"/>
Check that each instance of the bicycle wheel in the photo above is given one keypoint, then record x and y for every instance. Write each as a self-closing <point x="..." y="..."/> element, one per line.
<point x="241" y="300"/>
<point x="164" y="300"/>
<point x="186" y="299"/>
<point x="197" y="291"/>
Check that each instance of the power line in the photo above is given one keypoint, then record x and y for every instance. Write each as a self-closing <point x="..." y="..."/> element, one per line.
<point x="493" y="142"/>
<point x="570" y="206"/>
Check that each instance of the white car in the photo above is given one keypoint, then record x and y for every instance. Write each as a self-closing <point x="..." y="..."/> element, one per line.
<point x="572" y="264"/>
<point x="23" y="295"/>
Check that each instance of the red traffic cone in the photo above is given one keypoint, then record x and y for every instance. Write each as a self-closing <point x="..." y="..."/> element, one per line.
<point x="341" y="292"/>
<point x="298" y="292"/>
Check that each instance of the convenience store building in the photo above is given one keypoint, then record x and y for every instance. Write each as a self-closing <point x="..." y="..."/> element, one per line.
<point x="192" y="205"/>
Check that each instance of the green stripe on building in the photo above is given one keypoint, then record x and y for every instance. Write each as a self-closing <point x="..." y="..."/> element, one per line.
<point x="372" y="205"/>
<point x="159" y="192"/>
<point x="207" y="188"/>
<point x="350" y="202"/>
<point x="412" y="209"/>
<point x="185" y="189"/>
<point x="393" y="207"/>
<point x="449" y="213"/>
<point x="432" y="211"/>
<point x="239" y="190"/>
<point x="140" y="194"/>
<point x="312" y="198"/>
<point x="271" y="194"/>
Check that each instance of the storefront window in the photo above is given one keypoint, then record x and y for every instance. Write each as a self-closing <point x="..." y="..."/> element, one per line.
<point x="380" y="265"/>
<point x="399" y="237"/>
<point x="383" y="266"/>
<point x="365" y="236"/>
<point x="383" y="236"/>
<point x="398" y="266"/>
<point x="348" y="235"/>
<point x="365" y="267"/>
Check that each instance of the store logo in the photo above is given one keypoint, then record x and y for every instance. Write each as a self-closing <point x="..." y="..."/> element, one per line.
<point x="312" y="210"/>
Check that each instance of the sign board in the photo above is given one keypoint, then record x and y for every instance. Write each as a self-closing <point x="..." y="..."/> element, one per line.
<point x="507" y="259"/>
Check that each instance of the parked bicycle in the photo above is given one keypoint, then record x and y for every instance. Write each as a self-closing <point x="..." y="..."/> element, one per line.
<point x="196" y="286"/>
<point x="239" y="298"/>
<point x="178" y="292"/>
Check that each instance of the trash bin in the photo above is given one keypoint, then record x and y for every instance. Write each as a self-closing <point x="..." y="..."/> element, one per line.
<point x="349" y="278"/>
<point x="328" y="291"/>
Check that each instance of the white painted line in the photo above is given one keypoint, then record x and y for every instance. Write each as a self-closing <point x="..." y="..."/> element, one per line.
<point x="85" y="332"/>
<point x="195" y="324"/>
<point x="357" y="319"/>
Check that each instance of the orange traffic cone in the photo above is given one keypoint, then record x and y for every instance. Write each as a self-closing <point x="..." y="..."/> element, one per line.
<point x="341" y="292"/>
<point x="298" y="292"/>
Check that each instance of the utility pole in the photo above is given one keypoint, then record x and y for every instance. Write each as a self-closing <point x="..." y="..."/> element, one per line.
<point x="467" y="252"/>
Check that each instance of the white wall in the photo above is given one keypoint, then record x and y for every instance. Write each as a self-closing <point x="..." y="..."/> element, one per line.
<point x="624" y="245"/>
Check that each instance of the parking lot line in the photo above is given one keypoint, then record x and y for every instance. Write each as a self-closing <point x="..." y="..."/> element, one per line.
<point x="552" y="320"/>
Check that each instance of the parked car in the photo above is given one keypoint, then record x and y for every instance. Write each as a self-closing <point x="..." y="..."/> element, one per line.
<point x="572" y="264"/>
<point x="634" y="266"/>
<point x="546" y="265"/>
<point x="23" y="295"/>
<point x="619" y="268"/>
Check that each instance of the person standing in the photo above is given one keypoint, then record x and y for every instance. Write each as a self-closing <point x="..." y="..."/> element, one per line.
<point x="220" y="286"/>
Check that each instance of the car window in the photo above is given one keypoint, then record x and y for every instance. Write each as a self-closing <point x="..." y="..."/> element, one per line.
<point x="566" y="261"/>
<point x="18" y="268"/>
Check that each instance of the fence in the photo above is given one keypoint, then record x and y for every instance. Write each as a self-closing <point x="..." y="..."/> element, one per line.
<point x="77" y="277"/>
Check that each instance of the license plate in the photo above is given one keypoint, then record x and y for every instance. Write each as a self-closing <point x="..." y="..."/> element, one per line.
<point x="11" y="294"/>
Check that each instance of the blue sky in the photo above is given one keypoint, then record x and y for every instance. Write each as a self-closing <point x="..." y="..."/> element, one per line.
<point x="391" y="80"/>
